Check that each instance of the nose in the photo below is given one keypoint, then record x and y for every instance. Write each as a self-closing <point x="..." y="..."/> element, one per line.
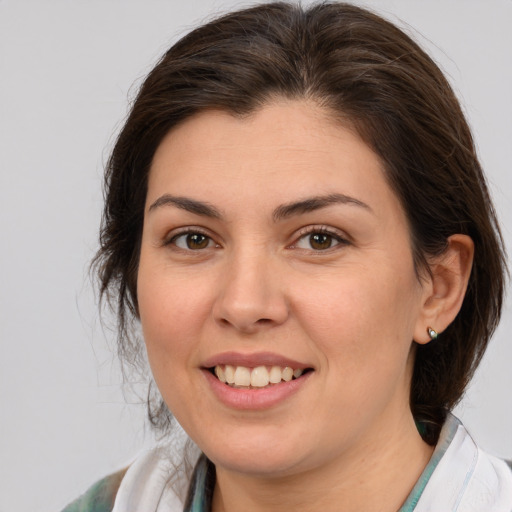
<point x="251" y="297"/>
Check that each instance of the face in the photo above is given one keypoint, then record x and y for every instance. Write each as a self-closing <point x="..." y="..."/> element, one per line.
<point x="272" y="245"/>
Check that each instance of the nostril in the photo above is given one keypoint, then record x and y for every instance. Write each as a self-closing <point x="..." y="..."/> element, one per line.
<point x="246" y="326"/>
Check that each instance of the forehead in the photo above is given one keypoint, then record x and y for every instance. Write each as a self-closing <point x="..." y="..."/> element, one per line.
<point x="281" y="151"/>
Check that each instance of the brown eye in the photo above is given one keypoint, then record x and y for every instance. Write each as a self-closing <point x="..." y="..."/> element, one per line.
<point x="197" y="241"/>
<point x="192" y="241"/>
<point x="320" y="241"/>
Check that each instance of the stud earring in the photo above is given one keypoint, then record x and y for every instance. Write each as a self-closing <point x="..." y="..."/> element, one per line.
<point x="432" y="333"/>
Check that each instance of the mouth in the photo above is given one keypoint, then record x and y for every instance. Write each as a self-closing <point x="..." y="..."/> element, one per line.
<point x="259" y="377"/>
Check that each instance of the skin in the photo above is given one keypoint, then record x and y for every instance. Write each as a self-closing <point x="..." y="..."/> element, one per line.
<point x="346" y="440"/>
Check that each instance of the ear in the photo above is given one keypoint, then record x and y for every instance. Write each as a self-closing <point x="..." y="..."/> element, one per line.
<point x="445" y="289"/>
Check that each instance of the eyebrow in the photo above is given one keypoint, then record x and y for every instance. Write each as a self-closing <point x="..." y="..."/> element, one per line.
<point x="315" y="203"/>
<point x="282" y="212"/>
<point x="185" y="203"/>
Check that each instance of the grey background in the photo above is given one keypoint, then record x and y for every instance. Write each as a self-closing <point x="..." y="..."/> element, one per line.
<point x="66" y="69"/>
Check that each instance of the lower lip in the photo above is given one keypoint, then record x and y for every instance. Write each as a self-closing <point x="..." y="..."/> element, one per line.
<point x="254" y="398"/>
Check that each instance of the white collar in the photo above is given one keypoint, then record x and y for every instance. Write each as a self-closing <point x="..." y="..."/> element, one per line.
<point x="158" y="480"/>
<point x="464" y="478"/>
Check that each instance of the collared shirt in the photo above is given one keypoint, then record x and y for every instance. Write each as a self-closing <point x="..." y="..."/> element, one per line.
<point x="459" y="478"/>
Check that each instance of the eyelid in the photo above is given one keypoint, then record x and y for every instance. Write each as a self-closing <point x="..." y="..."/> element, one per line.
<point x="172" y="235"/>
<point x="342" y="238"/>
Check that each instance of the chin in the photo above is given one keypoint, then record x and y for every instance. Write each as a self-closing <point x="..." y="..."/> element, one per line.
<point x="270" y="456"/>
<point x="260" y="464"/>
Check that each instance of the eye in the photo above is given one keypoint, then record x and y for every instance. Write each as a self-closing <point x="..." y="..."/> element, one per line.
<point x="192" y="241"/>
<point x="319" y="240"/>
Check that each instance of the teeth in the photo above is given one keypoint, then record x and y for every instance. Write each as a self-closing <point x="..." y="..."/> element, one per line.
<point x="259" y="377"/>
<point x="220" y="373"/>
<point x="275" y="375"/>
<point x="229" y="372"/>
<point x="287" y="374"/>
<point x="242" y="376"/>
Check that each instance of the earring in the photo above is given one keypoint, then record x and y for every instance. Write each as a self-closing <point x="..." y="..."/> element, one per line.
<point x="432" y="333"/>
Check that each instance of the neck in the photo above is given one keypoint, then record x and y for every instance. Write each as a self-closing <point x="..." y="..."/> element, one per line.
<point x="375" y="475"/>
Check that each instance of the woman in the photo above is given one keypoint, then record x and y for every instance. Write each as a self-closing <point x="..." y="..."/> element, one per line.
<point x="296" y="215"/>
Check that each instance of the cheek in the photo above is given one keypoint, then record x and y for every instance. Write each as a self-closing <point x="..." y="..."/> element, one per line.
<point x="172" y="311"/>
<point x="362" y="321"/>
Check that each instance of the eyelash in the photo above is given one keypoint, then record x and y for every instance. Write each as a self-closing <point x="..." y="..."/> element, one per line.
<point x="320" y="230"/>
<point x="304" y="232"/>
<point x="186" y="232"/>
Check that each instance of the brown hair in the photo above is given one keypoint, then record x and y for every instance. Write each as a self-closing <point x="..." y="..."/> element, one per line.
<point x="369" y="74"/>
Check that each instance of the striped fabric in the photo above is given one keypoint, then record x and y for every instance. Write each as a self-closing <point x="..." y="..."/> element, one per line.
<point x="100" y="497"/>
<point x="459" y="478"/>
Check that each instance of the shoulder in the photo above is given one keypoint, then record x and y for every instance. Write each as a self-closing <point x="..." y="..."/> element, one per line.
<point x="465" y="478"/>
<point x="100" y="497"/>
<point x="489" y="484"/>
<point x="487" y="479"/>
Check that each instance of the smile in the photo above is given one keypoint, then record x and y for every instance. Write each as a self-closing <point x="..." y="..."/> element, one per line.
<point x="259" y="377"/>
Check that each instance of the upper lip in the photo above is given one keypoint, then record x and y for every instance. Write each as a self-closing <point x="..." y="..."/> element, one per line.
<point x="253" y="360"/>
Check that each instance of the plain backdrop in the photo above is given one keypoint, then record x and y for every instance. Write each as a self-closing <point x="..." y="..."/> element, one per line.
<point x="67" y="70"/>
